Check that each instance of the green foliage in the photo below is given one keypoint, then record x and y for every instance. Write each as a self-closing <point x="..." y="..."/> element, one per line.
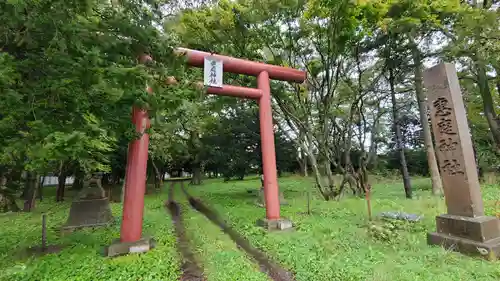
<point x="390" y="230"/>
<point x="69" y="75"/>
<point x="232" y="144"/>
<point x="334" y="244"/>
<point x="417" y="158"/>
<point x="385" y="232"/>
<point x="81" y="257"/>
<point x="331" y="244"/>
<point x="220" y="258"/>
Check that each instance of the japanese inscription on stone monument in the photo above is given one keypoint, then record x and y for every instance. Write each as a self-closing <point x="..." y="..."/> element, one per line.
<point x="464" y="228"/>
<point x="446" y="139"/>
<point x="452" y="141"/>
<point x="212" y="72"/>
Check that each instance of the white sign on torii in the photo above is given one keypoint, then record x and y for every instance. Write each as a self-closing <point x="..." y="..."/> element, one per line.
<point x="212" y="70"/>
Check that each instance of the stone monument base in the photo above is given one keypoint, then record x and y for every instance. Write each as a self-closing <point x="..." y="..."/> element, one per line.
<point x="479" y="236"/>
<point x="118" y="248"/>
<point x="261" y="201"/>
<point x="88" y="213"/>
<point x="279" y="224"/>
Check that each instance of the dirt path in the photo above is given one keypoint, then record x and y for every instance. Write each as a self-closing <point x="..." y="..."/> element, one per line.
<point x="272" y="269"/>
<point x="190" y="269"/>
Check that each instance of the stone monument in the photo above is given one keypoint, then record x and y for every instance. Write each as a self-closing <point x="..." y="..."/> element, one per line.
<point x="261" y="201"/>
<point x="91" y="207"/>
<point x="464" y="228"/>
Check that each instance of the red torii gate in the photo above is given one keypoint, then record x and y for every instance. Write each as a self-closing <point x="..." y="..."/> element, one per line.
<point x="131" y="239"/>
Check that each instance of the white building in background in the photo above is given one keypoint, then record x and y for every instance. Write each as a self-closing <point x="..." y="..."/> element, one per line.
<point x="52" y="180"/>
<point x="183" y="175"/>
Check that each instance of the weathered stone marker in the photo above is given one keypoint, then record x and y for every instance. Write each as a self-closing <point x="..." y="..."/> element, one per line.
<point x="91" y="207"/>
<point x="464" y="228"/>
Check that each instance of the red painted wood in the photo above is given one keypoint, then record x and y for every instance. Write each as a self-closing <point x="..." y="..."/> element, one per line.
<point x="241" y="66"/>
<point x="235" y="91"/>
<point x="135" y="180"/>
<point x="271" y="190"/>
<point x="135" y="175"/>
<point x="137" y="158"/>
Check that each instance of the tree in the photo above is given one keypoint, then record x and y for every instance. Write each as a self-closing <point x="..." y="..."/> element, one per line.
<point x="70" y="82"/>
<point x="474" y="43"/>
<point x="412" y="23"/>
<point x="397" y="130"/>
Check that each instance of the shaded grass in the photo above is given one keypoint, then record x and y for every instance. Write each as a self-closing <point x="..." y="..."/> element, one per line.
<point x="81" y="259"/>
<point x="334" y="243"/>
<point x="221" y="258"/>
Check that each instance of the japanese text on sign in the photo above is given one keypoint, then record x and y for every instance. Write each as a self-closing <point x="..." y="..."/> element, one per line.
<point x="443" y="111"/>
<point x="441" y="106"/>
<point x="212" y="72"/>
<point x="452" y="167"/>
<point x="447" y="144"/>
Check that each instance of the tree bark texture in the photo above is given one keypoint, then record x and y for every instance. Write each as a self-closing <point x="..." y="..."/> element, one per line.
<point x="399" y="139"/>
<point x="437" y="185"/>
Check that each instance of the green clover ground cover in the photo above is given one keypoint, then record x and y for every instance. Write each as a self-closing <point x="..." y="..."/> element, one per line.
<point x="335" y="243"/>
<point x="219" y="256"/>
<point x="81" y="259"/>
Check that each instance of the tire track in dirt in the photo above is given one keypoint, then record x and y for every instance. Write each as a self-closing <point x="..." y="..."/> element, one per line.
<point x="190" y="269"/>
<point x="272" y="269"/>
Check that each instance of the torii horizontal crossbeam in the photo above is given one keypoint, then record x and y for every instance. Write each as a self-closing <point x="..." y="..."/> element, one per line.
<point x="235" y="91"/>
<point x="241" y="66"/>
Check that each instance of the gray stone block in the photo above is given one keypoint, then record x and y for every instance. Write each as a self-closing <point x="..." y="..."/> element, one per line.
<point x="118" y="248"/>
<point x="272" y="225"/>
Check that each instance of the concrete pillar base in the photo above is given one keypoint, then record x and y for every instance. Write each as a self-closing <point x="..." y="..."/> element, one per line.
<point x="479" y="236"/>
<point x="118" y="248"/>
<point x="273" y="225"/>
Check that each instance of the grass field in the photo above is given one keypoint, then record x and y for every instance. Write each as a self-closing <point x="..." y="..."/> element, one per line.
<point x="332" y="244"/>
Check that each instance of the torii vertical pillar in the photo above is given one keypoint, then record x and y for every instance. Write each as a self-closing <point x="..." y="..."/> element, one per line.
<point x="131" y="240"/>
<point x="271" y="190"/>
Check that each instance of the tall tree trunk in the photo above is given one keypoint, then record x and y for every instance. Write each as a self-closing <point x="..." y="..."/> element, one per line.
<point x="372" y="160"/>
<point x="106" y="179"/>
<point x="498" y="82"/>
<point x="61" y="185"/>
<point x="197" y="174"/>
<point x="309" y="190"/>
<point x="302" y="160"/>
<point x="302" y="156"/>
<point x="158" y="176"/>
<point x="79" y="178"/>
<point x="122" y="194"/>
<point x="196" y="165"/>
<point x="497" y="70"/>
<point x="107" y="184"/>
<point x="437" y="185"/>
<point x="317" y="174"/>
<point x="305" y="169"/>
<point x="488" y="104"/>
<point x="40" y="187"/>
<point x="30" y="189"/>
<point x="7" y="198"/>
<point x="399" y="138"/>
